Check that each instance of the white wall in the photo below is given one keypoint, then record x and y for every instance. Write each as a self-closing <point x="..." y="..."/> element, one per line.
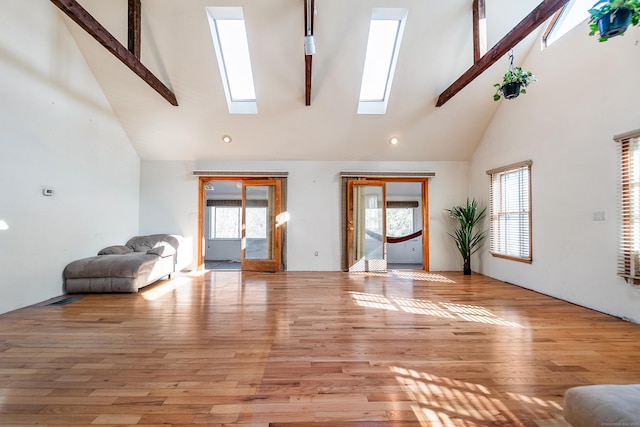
<point x="407" y="252"/>
<point x="587" y="93"/>
<point x="56" y="130"/>
<point x="169" y="203"/>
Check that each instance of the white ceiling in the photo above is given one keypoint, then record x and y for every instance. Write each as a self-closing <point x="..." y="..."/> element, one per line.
<point x="177" y="47"/>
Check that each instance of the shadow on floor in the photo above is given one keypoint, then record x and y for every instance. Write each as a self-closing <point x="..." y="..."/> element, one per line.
<point x="222" y="265"/>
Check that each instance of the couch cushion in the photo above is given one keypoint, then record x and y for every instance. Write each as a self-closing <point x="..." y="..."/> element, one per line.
<point x="162" y="250"/>
<point x="144" y="243"/>
<point x="139" y="245"/>
<point x="115" y="250"/>
<point x="602" y="405"/>
<point x="133" y="264"/>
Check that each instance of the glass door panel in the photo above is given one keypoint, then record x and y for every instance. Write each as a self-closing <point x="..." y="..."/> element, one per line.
<point x="366" y="232"/>
<point x="260" y="234"/>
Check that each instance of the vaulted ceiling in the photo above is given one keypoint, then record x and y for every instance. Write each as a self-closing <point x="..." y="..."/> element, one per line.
<point x="176" y="46"/>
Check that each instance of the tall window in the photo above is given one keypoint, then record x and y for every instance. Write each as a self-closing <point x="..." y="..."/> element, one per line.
<point x="226" y="221"/>
<point x="510" y="212"/>
<point x="629" y="208"/>
<point x="399" y="222"/>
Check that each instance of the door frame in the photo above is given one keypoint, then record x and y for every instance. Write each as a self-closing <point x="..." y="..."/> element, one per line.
<point x="352" y="257"/>
<point x="275" y="238"/>
<point x="387" y="177"/>
<point x="207" y="176"/>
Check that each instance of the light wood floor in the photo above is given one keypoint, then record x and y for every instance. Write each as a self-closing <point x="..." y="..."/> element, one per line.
<point x="308" y="349"/>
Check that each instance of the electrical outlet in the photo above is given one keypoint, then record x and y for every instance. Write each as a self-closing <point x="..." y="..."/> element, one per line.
<point x="599" y="215"/>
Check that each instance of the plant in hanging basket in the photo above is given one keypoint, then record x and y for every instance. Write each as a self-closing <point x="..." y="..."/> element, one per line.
<point x="514" y="82"/>
<point x="610" y="18"/>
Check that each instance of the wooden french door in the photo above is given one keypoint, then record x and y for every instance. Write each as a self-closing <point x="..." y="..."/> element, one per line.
<point x="261" y="235"/>
<point x="366" y="226"/>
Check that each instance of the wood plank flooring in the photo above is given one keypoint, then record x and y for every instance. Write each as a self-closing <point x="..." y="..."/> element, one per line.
<point x="308" y="349"/>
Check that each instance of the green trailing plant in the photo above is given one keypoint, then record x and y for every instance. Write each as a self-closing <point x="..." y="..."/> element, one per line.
<point x="466" y="237"/>
<point x="602" y="8"/>
<point x="514" y="75"/>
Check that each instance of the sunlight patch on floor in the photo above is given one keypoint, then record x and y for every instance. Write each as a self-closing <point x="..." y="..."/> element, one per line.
<point x="446" y="402"/>
<point x="162" y="289"/>
<point x="190" y="273"/>
<point x="446" y="310"/>
<point x="406" y="274"/>
<point x="534" y="400"/>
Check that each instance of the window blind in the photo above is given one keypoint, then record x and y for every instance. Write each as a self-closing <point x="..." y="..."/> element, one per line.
<point x="218" y="202"/>
<point x="402" y="204"/>
<point x="628" y="195"/>
<point x="510" y="211"/>
<point x="248" y="203"/>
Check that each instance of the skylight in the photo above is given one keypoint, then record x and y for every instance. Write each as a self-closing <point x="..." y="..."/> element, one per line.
<point x="572" y="15"/>
<point x="232" y="50"/>
<point x="385" y="34"/>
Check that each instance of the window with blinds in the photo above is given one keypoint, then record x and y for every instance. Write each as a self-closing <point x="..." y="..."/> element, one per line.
<point x="629" y="209"/>
<point x="510" y="212"/>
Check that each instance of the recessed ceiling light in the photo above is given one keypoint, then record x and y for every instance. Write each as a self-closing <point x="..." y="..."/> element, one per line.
<point x="394" y="140"/>
<point x="227" y="138"/>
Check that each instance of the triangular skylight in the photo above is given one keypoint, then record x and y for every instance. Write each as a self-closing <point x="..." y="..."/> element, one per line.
<point x="232" y="50"/>
<point x="385" y="34"/>
<point x="572" y="15"/>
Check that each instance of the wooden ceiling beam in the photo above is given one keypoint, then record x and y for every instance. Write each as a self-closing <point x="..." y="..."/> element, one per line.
<point x="308" y="16"/>
<point x="81" y="17"/>
<point x="307" y="80"/>
<point x="135" y="20"/>
<point x="479" y="30"/>
<point x="532" y="21"/>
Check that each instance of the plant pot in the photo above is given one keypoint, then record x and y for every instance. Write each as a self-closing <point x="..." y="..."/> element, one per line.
<point x="614" y="23"/>
<point x="467" y="266"/>
<point x="511" y="90"/>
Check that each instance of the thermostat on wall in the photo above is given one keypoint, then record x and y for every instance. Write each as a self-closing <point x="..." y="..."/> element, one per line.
<point x="47" y="191"/>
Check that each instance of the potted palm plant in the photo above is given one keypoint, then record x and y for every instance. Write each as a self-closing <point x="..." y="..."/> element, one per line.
<point x="514" y="82"/>
<point x="610" y="18"/>
<point x="465" y="235"/>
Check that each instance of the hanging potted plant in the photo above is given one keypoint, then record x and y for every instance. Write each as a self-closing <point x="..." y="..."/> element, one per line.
<point x="514" y="82"/>
<point x="466" y="237"/>
<point x="610" y="18"/>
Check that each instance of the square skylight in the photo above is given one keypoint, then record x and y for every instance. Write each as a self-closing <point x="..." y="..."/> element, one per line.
<point x="383" y="45"/>
<point x="229" y="36"/>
